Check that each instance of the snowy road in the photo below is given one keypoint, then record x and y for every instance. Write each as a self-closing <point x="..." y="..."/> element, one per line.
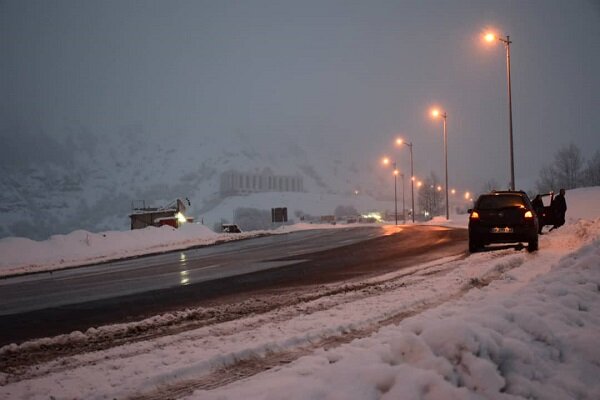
<point x="226" y="347"/>
<point x="76" y="299"/>
<point x="175" y="269"/>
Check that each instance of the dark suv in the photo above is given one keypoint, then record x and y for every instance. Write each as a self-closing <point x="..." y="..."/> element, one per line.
<point x="503" y="217"/>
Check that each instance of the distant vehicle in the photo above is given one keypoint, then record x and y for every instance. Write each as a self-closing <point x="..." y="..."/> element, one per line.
<point x="503" y="217"/>
<point x="230" y="228"/>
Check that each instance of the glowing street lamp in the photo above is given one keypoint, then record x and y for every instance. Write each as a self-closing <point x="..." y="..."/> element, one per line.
<point x="386" y="161"/>
<point x="401" y="142"/>
<point x="491" y="37"/>
<point x="435" y="113"/>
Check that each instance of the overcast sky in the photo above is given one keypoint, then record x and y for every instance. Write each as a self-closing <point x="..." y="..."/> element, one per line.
<point x="353" y="73"/>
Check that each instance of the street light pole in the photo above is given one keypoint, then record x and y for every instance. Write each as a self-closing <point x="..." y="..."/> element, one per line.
<point x="490" y="38"/>
<point x="436" y="113"/>
<point x="446" y="156"/>
<point x="395" y="193"/>
<point x="403" y="207"/>
<point x="412" y="176"/>
<point x="412" y="184"/>
<point x="386" y="161"/>
<point x="507" y="43"/>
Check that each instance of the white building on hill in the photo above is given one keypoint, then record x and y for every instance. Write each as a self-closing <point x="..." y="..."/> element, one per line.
<point x="236" y="183"/>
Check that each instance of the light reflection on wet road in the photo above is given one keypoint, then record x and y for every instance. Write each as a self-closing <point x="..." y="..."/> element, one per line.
<point x="73" y="286"/>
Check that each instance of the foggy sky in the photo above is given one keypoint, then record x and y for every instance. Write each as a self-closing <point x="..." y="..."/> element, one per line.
<point x="348" y="74"/>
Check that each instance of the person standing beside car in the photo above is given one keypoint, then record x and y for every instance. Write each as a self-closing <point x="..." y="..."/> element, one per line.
<point x="559" y="208"/>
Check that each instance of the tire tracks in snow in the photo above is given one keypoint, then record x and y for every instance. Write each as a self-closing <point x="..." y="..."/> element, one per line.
<point x="60" y="356"/>
<point x="247" y="366"/>
<point x="17" y="360"/>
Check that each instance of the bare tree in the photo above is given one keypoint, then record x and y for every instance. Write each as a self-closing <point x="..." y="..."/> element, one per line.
<point x="490" y="185"/>
<point x="565" y="172"/>
<point x="548" y="179"/>
<point x="592" y="171"/>
<point x="430" y="198"/>
<point x="569" y="165"/>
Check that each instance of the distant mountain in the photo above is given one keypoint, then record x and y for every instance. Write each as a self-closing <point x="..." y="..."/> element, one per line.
<point x="88" y="181"/>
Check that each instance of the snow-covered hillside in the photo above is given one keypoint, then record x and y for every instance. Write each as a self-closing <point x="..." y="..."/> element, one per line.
<point x="87" y="181"/>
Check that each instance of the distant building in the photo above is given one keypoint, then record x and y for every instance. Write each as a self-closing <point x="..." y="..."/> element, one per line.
<point x="235" y="183"/>
<point x="171" y="215"/>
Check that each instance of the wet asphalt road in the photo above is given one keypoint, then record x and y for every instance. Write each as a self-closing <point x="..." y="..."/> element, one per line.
<point x="47" y="304"/>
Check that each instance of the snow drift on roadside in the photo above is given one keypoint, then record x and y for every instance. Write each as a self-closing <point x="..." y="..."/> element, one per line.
<point x="538" y="342"/>
<point x="21" y="255"/>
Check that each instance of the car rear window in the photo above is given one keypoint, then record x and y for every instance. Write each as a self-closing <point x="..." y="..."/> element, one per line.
<point x="499" y="201"/>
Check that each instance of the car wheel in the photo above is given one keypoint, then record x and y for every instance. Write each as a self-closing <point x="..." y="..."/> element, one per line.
<point x="473" y="246"/>
<point x="532" y="245"/>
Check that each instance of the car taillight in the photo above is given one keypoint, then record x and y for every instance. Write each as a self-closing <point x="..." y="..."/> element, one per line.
<point x="528" y="214"/>
<point x="474" y="215"/>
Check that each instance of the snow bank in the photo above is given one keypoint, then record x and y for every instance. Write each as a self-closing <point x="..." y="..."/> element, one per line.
<point x="21" y="255"/>
<point x="583" y="203"/>
<point x="538" y="342"/>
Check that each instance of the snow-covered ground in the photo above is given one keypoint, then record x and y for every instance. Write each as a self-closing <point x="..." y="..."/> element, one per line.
<point x="503" y="324"/>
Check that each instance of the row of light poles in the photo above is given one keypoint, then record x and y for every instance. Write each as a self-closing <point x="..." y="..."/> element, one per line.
<point x="436" y="113"/>
<point x="396" y="172"/>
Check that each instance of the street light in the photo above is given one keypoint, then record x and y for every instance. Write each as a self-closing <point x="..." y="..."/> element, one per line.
<point x="400" y="142"/>
<point x="403" y="206"/>
<point x="437" y="113"/>
<point x="386" y="161"/>
<point x="490" y="37"/>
